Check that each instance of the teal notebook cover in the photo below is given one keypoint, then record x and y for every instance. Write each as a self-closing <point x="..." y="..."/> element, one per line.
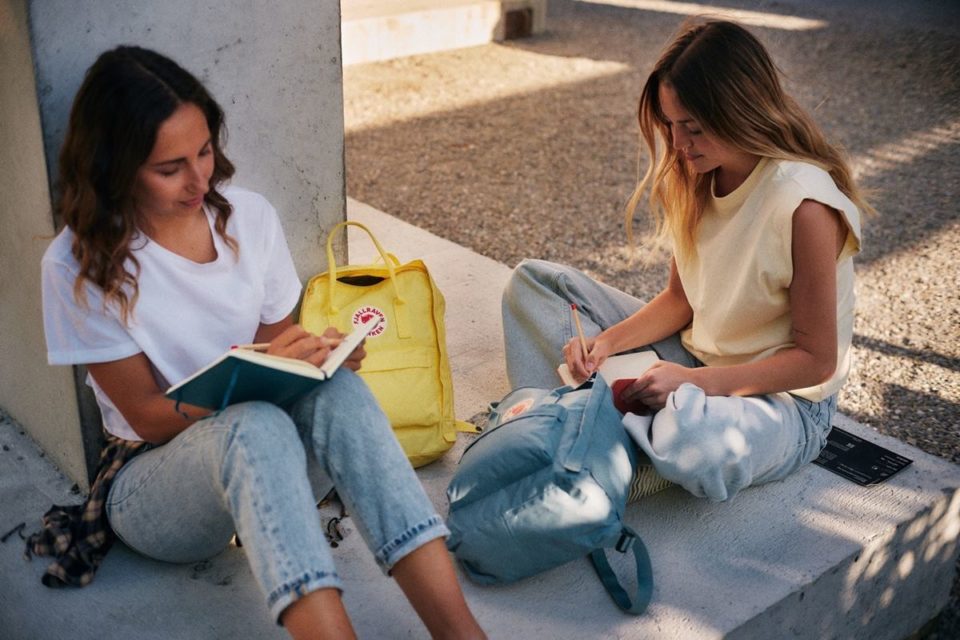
<point x="242" y="375"/>
<point x="234" y="379"/>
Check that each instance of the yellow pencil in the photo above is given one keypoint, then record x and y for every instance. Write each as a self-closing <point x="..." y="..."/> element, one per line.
<point x="576" y="321"/>
<point x="259" y="346"/>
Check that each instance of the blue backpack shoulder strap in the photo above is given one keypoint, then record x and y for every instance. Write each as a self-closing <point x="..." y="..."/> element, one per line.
<point x="629" y="540"/>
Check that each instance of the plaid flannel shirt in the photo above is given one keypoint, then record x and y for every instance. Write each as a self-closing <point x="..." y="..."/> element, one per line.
<point x="79" y="536"/>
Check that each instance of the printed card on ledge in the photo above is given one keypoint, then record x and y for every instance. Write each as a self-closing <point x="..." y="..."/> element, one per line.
<point x="858" y="460"/>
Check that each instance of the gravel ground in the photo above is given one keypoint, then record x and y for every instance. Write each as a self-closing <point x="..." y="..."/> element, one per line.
<point x="529" y="149"/>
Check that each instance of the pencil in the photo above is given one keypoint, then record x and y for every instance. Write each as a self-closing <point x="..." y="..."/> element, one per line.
<point x="259" y="346"/>
<point x="576" y="321"/>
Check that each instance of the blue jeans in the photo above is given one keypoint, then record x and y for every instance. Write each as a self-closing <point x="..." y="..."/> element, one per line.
<point x="245" y="471"/>
<point x="713" y="446"/>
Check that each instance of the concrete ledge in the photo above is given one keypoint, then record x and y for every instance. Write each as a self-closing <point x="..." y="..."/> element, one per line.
<point x="373" y="30"/>
<point x="814" y="556"/>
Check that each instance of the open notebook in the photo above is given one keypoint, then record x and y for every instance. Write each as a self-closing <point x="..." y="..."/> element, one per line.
<point x="618" y="372"/>
<point x="241" y="375"/>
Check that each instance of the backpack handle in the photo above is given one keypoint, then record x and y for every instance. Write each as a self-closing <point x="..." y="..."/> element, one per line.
<point x="628" y="539"/>
<point x="398" y="301"/>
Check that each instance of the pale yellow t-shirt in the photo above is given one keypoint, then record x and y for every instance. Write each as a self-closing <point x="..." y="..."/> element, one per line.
<point x="738" y="283"/>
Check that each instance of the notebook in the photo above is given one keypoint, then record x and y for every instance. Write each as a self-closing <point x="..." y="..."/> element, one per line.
<point x="242" y="375"/>
<point x="618" y="372"/>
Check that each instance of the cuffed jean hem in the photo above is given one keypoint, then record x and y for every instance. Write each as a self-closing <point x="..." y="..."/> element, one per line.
<point x="409" y="541"/>
<point x="291" y="591"/>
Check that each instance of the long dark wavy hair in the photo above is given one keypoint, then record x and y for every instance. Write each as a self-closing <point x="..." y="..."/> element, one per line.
<point x="124" y="98"/>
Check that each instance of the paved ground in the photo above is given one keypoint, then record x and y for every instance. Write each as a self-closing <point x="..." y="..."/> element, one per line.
<point x="529" y="149"/>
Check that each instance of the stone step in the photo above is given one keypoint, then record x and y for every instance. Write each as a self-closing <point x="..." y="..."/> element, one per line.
<point x="373" y="30"/>
<point x="814" y="556"/>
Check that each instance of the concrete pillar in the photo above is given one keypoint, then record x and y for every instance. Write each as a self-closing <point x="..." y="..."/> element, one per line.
<point x="273" y="67"/>
<point x="34" y="394"/>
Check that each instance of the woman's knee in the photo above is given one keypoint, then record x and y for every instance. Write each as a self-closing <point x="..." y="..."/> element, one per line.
<point x="340" y="395"/>
<point x="347" y="386"/>
<point x="533" y="269"/>
<point x="529" y="275"/>
<point x="262" y="428"/>
<point x="699" y="445"/>
<point x="342" y="405"/>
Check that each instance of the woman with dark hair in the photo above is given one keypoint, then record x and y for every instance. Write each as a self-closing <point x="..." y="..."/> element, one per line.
<point x="159" y="269"/>
<point x="754" y="327"/>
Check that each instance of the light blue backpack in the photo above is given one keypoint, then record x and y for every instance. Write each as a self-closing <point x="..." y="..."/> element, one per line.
<point x="544" y="484"/>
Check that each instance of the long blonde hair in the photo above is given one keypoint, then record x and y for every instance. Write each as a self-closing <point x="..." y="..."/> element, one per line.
<point x="726" y="81"/>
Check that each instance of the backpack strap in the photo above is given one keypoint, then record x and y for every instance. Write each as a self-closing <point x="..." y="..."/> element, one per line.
<point x="628" y="539"/>
<point x="399" y="303"/>
<point x="573" y="459"/>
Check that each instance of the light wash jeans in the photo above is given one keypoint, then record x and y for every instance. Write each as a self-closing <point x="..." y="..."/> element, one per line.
<point x="245" y="471"/>
<point x="713" y="446"/>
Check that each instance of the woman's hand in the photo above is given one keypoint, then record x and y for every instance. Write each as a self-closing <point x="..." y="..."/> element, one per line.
<point x="297" y="342"/>
<point x="658" y="382"/>
<point x="583" y="365"/>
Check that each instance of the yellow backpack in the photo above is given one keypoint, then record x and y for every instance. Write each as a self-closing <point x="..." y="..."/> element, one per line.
<point x="406" y="366"/>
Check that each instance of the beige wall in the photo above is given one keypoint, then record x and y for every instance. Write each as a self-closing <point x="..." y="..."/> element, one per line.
<point x="36" y="395"/>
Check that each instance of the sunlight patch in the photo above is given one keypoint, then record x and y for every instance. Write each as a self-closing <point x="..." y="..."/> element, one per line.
<point x="887" y="156"/>
<point x="421" y="86"/>
<point x="753" y="18"/>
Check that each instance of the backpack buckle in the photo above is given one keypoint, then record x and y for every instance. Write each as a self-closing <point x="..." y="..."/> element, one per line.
<point x="626" y="541"/>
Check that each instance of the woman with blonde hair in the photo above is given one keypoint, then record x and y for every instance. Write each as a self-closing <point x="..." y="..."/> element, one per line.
<point x="160" y="268"/>
<point x="754" y="326"/>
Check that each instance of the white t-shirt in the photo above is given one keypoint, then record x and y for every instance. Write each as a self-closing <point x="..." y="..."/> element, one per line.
<point x="187" y="313"/>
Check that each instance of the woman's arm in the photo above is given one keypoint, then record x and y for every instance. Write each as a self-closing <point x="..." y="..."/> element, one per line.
<point x="131" y="386"/>
<point x="667" y="313"/>
<point x="818" y="236"/>
<point x="663" y="316"/>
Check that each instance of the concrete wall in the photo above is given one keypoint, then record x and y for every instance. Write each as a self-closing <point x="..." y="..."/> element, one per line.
<point x="34" y="394"/>
<point x="274" y="68"/>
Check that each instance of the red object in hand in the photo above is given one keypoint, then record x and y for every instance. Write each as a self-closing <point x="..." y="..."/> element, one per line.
<point x="625" y="406"/>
